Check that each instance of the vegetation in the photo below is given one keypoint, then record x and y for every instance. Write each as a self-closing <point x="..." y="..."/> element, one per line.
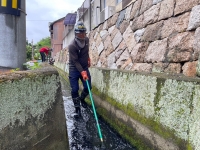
<point x="32" y="64"/>
<point x="43" y="42"/>
<point x="28" y="51"/>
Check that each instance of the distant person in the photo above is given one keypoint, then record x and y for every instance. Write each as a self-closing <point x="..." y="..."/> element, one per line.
<point x="79" y="62"/>
<point x="44" y="51"/>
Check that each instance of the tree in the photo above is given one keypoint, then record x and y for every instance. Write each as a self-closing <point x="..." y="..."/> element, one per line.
<point x="28" y="51"/>
<point x="43" y="42"/>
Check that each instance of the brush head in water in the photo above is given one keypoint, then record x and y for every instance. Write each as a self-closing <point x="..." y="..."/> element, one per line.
<point x="102" y="146"/>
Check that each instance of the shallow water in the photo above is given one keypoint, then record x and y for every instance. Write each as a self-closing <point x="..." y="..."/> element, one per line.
<point x="83" y="133"/>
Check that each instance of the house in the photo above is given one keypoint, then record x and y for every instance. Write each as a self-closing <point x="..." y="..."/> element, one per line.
<point x="60" y="30"/>
<point x="69" y="22"/>
<point x="56" y="29"/>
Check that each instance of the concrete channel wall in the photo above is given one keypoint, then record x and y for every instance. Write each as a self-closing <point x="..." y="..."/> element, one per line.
<point x="168" y="107"/>
<point x="155" y="110"/>
<point x="32" y="111"/>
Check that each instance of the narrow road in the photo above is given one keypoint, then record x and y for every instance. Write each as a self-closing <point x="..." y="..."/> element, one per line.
<point x="83" y="133"/>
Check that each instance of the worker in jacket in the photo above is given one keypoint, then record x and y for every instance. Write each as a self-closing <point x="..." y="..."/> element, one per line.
<point x="44" y="51"/>
<point x="79" y="62"/>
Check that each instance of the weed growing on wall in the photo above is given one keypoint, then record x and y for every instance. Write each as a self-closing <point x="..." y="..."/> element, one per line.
<point x="31" y="65"/>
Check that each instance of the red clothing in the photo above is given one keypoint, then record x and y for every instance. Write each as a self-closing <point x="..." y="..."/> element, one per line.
<point x="45" y="50"/>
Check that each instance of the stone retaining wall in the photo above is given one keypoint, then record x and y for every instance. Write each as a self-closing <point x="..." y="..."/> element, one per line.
<point x="149" y="36"/>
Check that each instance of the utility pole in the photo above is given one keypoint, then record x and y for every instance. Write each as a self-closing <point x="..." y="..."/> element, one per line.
<point x="13" y="33"/>
<point x="32" y="51"/>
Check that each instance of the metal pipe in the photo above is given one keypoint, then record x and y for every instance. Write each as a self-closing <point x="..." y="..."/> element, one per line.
<point x="96" y="16"/>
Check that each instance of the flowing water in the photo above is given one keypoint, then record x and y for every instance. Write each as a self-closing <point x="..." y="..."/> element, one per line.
<point x="82" y="131"/>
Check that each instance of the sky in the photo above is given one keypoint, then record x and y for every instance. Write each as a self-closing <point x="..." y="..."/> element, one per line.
<point x="41" y="12"/>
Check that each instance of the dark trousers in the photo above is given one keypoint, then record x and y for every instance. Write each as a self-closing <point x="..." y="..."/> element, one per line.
<point x="43" y="56"/>
<point x="74" y="76"/>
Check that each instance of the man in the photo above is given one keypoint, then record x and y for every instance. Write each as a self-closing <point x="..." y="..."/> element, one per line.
<point x="79" y="62"/>
<point x="44" y="52"/>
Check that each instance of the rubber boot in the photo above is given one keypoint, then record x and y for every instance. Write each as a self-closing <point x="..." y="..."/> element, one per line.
<point x="76" y="102"/>
<point x="82" y="98"/>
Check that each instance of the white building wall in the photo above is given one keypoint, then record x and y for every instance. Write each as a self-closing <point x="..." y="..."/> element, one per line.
<point x="95" y="13"/>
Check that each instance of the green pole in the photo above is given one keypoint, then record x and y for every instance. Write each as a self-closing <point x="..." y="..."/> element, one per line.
<point x="95" y="114"/>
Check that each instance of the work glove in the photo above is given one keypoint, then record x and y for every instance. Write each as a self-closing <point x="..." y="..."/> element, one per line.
<point x="84" y="75"/>
<point x="89" y="62"/>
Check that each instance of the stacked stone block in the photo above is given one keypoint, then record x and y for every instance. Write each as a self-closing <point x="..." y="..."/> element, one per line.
<point x="150" y="36"/>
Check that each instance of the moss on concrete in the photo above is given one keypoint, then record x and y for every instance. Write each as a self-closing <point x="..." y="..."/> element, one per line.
<point x="32" y="110"/>
<point x="122" y="128"/>
<point x="150" y="123"/>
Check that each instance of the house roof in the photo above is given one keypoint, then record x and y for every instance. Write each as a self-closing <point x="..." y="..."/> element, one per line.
<point x="51" y="23"/>
<point x="70" y="19"/>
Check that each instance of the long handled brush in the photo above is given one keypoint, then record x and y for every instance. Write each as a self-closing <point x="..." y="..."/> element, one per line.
<point x="95" y="114"/>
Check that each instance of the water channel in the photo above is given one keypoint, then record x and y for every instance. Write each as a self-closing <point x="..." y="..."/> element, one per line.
<point x="83" y="133"/>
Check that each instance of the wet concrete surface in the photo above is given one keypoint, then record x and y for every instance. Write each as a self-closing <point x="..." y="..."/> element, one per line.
<point x="83" y="133"/>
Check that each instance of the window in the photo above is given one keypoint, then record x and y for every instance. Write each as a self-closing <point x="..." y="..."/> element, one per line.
<point x="118" y="1"/>
<point x="103" y="4"/>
